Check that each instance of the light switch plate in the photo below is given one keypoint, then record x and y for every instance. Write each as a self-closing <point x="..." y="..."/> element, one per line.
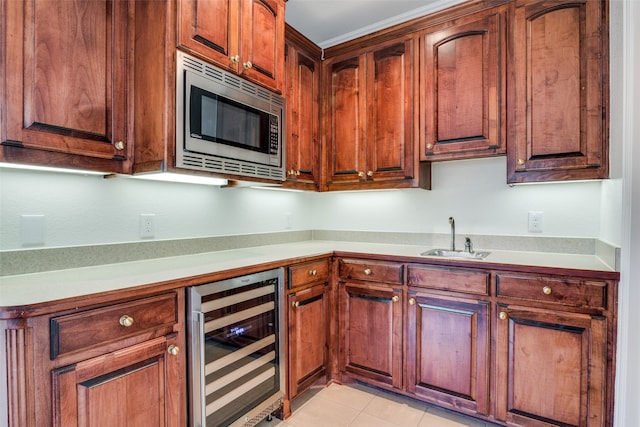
<point x="32" y="230"/>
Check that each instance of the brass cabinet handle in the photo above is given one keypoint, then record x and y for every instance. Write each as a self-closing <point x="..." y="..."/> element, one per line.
<point x="521" y="162"/>
<point x="429" y="146"/>
<point x="126" y="320"/>
<point x="361" y="174"/>
<point x="546" y="290"/>
<point x="367" y="271"/>
<point x="395" y="298"/>
<point x="313" y="272"/>
<point x="120" y="145"/>
<point x="235" y="59"/>
<point x="503" y="315"/>
<point x="295" y="304"/>
<point x="247" y="65"/>
<point x="370" y="173"/>
<point x="173" y="350"/>
<point x="412" y="301"/>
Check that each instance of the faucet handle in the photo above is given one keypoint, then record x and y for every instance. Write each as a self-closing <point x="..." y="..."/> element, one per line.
<point x="468" y="246"/>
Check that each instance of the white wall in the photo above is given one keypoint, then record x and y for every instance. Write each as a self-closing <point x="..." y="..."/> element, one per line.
<point x="475" y="193"/>
<point x="81" y="210"/>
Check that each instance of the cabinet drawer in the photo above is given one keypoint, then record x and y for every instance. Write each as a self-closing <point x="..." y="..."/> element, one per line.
<point x="371" y="271"/>
<point x="449" y="279"/>
<point x="89" y="328"/>
<point x="559" y="290"/>
<point x="308" y="272"/>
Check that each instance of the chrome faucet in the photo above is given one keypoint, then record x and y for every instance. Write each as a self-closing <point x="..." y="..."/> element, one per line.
<point x="468" y="246"/>
<point x="453" y="233"/>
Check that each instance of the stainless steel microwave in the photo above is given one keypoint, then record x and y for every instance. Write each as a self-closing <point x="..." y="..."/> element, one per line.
<point x="225" y="124"/>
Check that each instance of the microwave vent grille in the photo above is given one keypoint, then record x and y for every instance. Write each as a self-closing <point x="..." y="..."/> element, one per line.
<point x="227" y="166"/>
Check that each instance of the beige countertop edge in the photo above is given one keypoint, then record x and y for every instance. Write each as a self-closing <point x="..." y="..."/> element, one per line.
<point x="48" y="286"/>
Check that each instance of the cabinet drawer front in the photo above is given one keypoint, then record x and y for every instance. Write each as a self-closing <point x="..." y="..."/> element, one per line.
<point x="456" y="280"/>
<point x="371" y="271"/>
<point x="308" y="272"/>
<point x="93" y="327"/>
<point x="566" y="291"/>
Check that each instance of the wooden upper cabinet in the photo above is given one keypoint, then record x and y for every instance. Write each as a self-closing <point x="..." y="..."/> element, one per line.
<point x="371" y="118"/>
<point x="64" y="94"/>
<point x="463" y="89"/>
<point x="243" y="36"/>
<point x="558" y="91"/>
<point x="303" y="69"/>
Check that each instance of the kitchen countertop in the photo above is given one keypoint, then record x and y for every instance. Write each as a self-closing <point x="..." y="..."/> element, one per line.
<point x="26" y="289"/>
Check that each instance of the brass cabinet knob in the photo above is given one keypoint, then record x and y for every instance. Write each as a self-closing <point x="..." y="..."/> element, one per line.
<point x="173" y="350"/>
<point x="367" y="271"/>
<point x="429" y="146"/>
<point x="120" y="145"/>
<point x="313" y="272"/>
<point x="503" y="315"/>
<point x="521" y="162"/>
<point x="126" y="320"/>
<point x="235" y="59"/>
<point x="295" y="304"/>
<point x="361" y="174"/>
<point x="247" y="65"/>
<point x="370" y="173"/>
<point x="395" y="298"/>
<point x="546" y="290"/>
<point x="291" y="172"/>
<point x="412" y="301"/>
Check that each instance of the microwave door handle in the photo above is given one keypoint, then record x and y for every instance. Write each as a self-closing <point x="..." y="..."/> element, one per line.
<point x="197" y="360"/>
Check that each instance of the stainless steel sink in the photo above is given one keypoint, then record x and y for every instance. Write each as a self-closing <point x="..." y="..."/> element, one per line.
<point x="446" y="253"/>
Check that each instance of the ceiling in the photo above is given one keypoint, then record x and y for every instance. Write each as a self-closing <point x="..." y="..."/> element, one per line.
<point x="330" y="22"/>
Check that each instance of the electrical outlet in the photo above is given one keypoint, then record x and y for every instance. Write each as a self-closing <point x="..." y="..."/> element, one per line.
<point x="536" y="221"/>
<point x="32" y="229"/>
<point x="147" y="225"/>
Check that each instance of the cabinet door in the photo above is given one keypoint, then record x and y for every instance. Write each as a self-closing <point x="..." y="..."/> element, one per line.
<point x="559" y="89"/>
<point x="463" y="91"/>
<point x="550" y="368"/>
<point x="308" y="329"/>
<point x="210" y="28"/>
<point x="262" y="42"/>
<point x="448" y="351"/>
<point x="303" y="118"/>
<point x="135" y="386"/>
<point x="390" y="114"/>
<point x="371" y="333"/>
<point x="346" y="121"/>
<point x="65" y="90"/>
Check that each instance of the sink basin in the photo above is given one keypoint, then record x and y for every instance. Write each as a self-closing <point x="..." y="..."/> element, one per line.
<point x="446" y="253"/>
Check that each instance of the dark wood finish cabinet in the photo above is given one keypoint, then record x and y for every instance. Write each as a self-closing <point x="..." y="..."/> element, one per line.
<point x="370" y="119"/>
<point x="550" y="367"/>
<point x="303" y="70"/>
<point x="558" y="91"/>
<point x="448" y="351"/>
<point x="308" y="324"/>
<point x="448" y="348"/>
<point x="120" y="363"/>
<point x="371" y="322"/>
<point x="243" y="36"/>
<point x="462" y="91"/>
<point x="65" y="91"/>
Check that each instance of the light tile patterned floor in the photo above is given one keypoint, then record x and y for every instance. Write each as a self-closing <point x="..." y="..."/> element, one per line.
<point x="361" y="406"/>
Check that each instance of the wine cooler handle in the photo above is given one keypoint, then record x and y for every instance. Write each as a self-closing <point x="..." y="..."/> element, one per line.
<point x="197" y="362"/>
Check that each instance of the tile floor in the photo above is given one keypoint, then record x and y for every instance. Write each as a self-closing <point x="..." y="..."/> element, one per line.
<point x="361" y="406"/>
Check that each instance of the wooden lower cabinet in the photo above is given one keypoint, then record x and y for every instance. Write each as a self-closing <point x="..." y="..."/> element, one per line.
<point x="308" y="330"/>
<point x="448" y="351"/>
<point x="551" y="368"/>
<point x="371" y="333"/>
<point x="133" y="387"/>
